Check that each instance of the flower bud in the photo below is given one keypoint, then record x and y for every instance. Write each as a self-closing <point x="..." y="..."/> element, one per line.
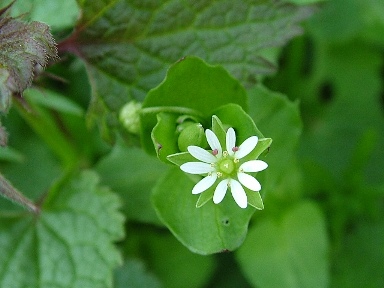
<point x="130" y="118"/>
<point x="191" y="134"/>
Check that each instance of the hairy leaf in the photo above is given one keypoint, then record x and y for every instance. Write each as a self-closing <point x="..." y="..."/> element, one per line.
<point x="23" y="48"/>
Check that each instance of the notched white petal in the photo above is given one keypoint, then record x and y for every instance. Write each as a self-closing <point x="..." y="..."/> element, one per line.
<point x="230" y="139"/>
<point x="214" y="142"/>
<point x="249" y="181"/>
<point x="253" y="166"/>
<point x="196" y="168"/>
<point x="238" y="193"/>
<point x="246" y="147"/>
<point x="201" y="154"/>
<point x="220" y="191"/>
<point x="204" y="184"/>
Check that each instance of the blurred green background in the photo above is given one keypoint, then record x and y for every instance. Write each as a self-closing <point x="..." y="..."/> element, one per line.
<point x="335" y="70"/>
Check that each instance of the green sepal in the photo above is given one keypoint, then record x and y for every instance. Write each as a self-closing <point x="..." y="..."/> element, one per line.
<point x="181" y="158"/>
<point x="219" y="130"/>
<point x="164" y="135"/>
<point x="205" y="197"/>
<point x="233" y="115"/>
<point x="254" y="199"/>
<point x="262" y="145"/>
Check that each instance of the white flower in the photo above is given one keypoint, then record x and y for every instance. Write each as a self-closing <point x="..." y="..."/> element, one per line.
<point x="225" y="165"/>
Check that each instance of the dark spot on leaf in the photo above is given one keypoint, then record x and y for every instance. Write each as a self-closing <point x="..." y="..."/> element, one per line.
<point x="225" y="222"/>
<point x="326" y="92"/>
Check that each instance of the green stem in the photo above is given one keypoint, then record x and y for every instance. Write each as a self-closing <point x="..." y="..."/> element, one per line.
<point x="45" y="126"/>
<point x="172" y="109"/>
<point x="11" y="193"/>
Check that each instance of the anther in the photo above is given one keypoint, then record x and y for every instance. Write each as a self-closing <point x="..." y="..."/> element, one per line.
<point x="234" y="149"/>
<point x="225" y="154"/>
<point x="215" y="152"/>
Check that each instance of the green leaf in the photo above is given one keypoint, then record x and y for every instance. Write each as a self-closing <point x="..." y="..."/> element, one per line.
<point x="129" y="45"/>
<point x="164" y="137"/>
<point x="57" y="14"/>
<point x="287" y="252"/>
<point x="193" y="88"/>
<point x="133" y="274"/>
<point x="22" y="46"/>
<point x="279" y="119"/>
<point x="69" y="244"/>
<point x="361" y="258"/>
<point x="132" y="173"/>
<point x="205" y="230"/>
<point x="53" y="100"/>
<point x="175" y="265"/>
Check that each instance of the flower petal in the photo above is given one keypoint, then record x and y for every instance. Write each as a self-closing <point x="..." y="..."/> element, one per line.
<point x="246" y="147"/>
<point x="220" y="191"/>
<point x="249" y="181"/>
<point x="230" y="140"/>
<point x="204" y="184"/>
<point x="214" y="142"/>
<point x="253" y="166"/>
<point x="238" y="193"/>
<point x="201" y="154"/>
<point x="197" y="168"/>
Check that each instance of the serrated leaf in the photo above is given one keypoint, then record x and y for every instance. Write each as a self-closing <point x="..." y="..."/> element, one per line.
<point x="287" y="252"/>
<point x="22" y="47"/>
<point x="129" y="44"/>
<point x="209" y="229"/>
<point x="70" y="244"/>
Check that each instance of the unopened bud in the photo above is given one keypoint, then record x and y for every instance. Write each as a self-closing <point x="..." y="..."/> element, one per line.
<point x="192" y="134"/>
<point x="130" y="116"/>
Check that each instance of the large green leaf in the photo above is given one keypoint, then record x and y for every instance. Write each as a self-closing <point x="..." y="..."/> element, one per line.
<point x="209" y="229"/>
<point x="361" y="259"/>
<point x="133" y="274"/>
<point x="132" y="173"/>
<point x="191" y="88"/>
<point x="290" y="251"/>
<point x="129" y="44"/>
<point x="279" y="119"/>
<point x="69" y="244"/>
<point x="164" y="253"/>
<point x="57" y="14"/>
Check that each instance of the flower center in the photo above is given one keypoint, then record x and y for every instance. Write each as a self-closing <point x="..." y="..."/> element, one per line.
<point x="227" y="166"/>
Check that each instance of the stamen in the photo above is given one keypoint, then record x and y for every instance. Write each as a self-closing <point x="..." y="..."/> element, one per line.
<point x="215" y="152"/>
<point x="234" y="149"/>
<point x="219" y="174"/>
<point x="236" y="160"/>
<point x="225" y="153"/>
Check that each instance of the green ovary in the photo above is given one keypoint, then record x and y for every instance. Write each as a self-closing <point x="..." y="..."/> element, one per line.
<point x="227" y="166"/>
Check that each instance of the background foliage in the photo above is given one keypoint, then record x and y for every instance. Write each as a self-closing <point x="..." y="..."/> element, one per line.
<point x="320" y="97"/>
